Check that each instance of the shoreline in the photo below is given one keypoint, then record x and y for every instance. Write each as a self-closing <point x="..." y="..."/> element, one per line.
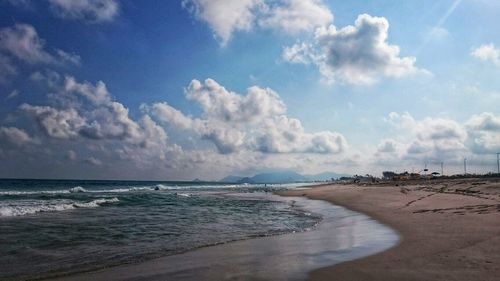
<point x="342" y="235"/>
<point x="450" y="230"/>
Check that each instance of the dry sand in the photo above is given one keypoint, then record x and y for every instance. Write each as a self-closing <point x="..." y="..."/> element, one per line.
<point x="450" y="229"/>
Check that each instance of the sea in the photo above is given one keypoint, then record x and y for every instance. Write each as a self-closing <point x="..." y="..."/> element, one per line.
<point x="58" y="227"/>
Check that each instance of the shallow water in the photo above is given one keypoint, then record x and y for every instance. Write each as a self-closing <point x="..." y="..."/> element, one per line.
<point x="342" y="235"/>
<point x="57" y="227"/>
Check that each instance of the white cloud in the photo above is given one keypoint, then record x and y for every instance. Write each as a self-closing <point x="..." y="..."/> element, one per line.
<point x="440" y="139"/>
<point x="224" y="17"/>
<point x="294" y="16"/>
<point x="252" y="122"/>
<point x="227" y="17"/>
<point x="15" y="136"/>
<point x="389" y="146"/>
<point x="22" y="41"/>
<point x="167" y="113"/>
<point x="67" y="57"/>
<point x="220" y="104"/>
<point x="97" y="94"/>
<point x="62" y="124"/>
<point x="286" y="135"/>
<point x="487" y="52"/>
<point x="86" y="111"/>
<point x="358" y="54"/>
<point x="94" y="161"/>
<point x="94" y="11"/>
<point x="301" y="53"/>
<point x="390" y="152"/>
<point x="429" y="139"/>
<point x="484" y="133"/>
<point x="83" y="115"/>
<point x="224" y="137"/>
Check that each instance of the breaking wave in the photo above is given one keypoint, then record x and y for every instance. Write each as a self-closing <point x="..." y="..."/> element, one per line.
<point x="28" y="207"/>
<point x="77" y="189"/>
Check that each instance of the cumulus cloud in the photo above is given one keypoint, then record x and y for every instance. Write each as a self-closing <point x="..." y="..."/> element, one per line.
<point x="440" y="139"/>
<point x="388" y="146"/>
<point x="87" y="111"/>
<point x="484" y="133"/>
<point x="218" y="103"/>
<point x="487" y="52"/>
<point x="22" y="41"/>
<point x="83" y="115"/>
<point x="62" y="124"/>
<point x="256" y="122"/>
<point x="294" y="16"/>
<point x="93" y="11"/>
<point x="15" y="136"/>
<point x="432" y="138"/>
<point x="224" y="17"/>
<point x="285" y="135"/>
<point x="436" y="140"/>
<point x="97" y="94"/>
<point x="358" y="54"/>
<point x="228" y="17"/>
<point x="390" y="152"/>
<point x="169" y="114"/>
<point x="301" y="53"/>
<point x="226" y="139"/>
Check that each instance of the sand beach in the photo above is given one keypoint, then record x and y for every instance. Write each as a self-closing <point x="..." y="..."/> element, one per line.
<point x="450" y="229"/>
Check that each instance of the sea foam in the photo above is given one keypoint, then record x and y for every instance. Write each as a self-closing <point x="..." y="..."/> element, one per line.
<point x="28" y="207"/>
<point x="77" y="189"/>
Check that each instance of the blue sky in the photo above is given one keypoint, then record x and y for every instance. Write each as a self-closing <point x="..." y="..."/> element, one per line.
<point x="200" y="89"/>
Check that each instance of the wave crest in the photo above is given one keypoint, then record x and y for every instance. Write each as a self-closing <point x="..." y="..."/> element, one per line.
<point x="77" y="189"/>
<point x="21" y="208"/>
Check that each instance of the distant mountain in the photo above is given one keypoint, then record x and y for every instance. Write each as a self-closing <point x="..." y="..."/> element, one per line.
<point x="326" y="176"/>
<point x="231" y="179"/>
<point x="245" y="180"/>
<point x="278" y="177"/>
<point x="281" y="177"/>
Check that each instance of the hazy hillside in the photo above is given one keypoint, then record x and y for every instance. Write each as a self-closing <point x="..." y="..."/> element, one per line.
<point x="281" y="177"/>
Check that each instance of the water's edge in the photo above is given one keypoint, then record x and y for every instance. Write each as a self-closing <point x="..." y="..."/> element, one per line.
<point x="281" y="257"/>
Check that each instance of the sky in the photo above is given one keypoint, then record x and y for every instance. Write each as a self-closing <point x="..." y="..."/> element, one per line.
<point x="177" y="90"/>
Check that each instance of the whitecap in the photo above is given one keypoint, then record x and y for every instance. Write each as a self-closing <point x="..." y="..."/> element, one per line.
<point x="163" y="187"/>
<point x="183" y="194"/>
<point x="77" y="189"/>
<point x="16" y="192"/>
<point x="29" y="207"/>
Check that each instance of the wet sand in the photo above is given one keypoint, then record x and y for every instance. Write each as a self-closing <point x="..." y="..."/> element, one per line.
<point x="450" y="229"/>
<point x="342" y="235"/>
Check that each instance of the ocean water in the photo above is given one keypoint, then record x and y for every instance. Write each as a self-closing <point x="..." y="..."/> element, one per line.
<point x="49" y="228"/>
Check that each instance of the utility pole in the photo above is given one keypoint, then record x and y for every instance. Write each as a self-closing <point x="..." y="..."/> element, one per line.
<point x="465" y="166"/>
<point x="442" y="171"/>
<point x="498" y="163"/>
